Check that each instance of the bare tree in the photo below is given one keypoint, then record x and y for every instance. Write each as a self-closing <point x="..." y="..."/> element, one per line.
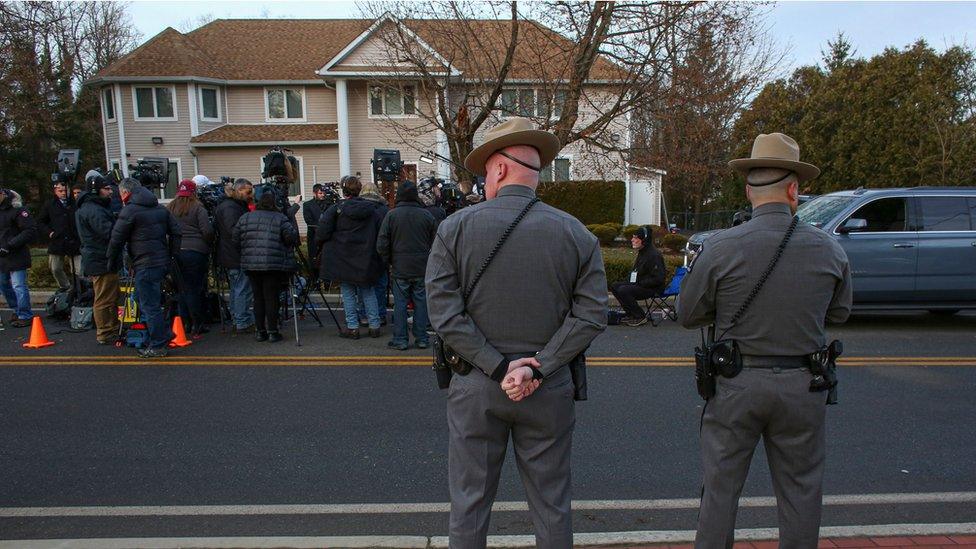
<point x="579" y="69"/>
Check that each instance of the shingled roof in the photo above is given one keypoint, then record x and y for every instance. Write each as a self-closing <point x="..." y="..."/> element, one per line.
<point x="266" y="133"/>
<point x="294" y="49"/>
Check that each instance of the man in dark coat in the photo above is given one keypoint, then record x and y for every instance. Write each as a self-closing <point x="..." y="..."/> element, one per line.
<point x="430" y="196"/>
<point x="404" y="242"/>
<point x="226" y="215"/>
<point x="153" y="238"/>
<point x="312" y="210"/>
<point x="94" y="221"/>
<point x="17" y="231"/>
<point x="57" y="221"/>
<point x="346" y="239"/>
<point x="647" y="279"/>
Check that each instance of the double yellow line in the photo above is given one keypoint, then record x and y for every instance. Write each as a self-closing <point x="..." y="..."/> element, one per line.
<point x="420" y="361"/>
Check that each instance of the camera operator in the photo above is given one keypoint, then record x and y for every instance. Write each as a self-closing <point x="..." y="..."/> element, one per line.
<point x="194" y="254"/>
<point x="57" y="221"/>
<point x="312" y="210"/>
<point x="226" y="215"/>
<point x="346" y="239"/>
<point x="647" y="279"/>
<point x="113" y="178"/>
<point x="153" y="238"/>
<point x="94" y="221"/>
<point x="430" y="196"/>
<point x="265" y="238"/>
<point x="17" y="231"/>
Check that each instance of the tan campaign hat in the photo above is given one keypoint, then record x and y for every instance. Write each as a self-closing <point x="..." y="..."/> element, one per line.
<point x="776" y="150"/>
<point x="514" y="131"/>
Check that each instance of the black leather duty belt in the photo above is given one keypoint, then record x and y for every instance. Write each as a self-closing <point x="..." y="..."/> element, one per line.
<point x="771" y="361"/>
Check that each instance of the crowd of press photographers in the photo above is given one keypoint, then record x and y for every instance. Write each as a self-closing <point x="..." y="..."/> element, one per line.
<point x="247" y="238"/>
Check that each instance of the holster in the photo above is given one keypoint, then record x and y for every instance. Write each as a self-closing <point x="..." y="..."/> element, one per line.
<point x="704" y="375"/>
<point x="446" y="362"/>
<point x="577" y="367"/>
<point x="823" y="366"/>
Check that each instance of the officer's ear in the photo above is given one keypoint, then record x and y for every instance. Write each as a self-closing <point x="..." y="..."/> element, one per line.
<point x="793" y="190"/>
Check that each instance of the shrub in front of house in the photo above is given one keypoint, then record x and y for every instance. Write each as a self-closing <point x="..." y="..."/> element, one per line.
<point x="674" y="242"/>
<point x="605" y="233"/>
<point x="592" y="202"/>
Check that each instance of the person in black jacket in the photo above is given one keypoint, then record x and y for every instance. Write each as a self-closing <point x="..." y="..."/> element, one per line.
<point x="17" y="231"/>
<point x="646" y="280"/>
<point x="429" y="195"/>
<point x="226" y="215"/>
<point x="153" y="238"/>
<point x="312" y="210"/>
<point x="404" y="242"/>
<point x="265" y="238"/>
<point x="94" y="220"/>
<point x="346" y="239"/>
<point x="57" y="221"/>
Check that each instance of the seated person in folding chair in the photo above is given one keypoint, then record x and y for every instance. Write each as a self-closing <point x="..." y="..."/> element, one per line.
<point x="647" y="279"/>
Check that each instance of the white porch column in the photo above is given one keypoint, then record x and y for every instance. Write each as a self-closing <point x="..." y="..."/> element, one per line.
<point x="342" y="119"/>
<point x="191" y="98"/>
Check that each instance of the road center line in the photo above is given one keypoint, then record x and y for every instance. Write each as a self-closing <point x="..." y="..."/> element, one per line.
<point x="413" y="508"/>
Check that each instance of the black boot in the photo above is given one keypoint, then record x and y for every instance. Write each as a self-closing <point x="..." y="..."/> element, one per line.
<point x="262" y="336"/>
<point x="274" y="337"/>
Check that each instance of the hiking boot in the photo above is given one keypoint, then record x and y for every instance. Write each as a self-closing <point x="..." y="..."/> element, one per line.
<point x="349" y="334"/>
<point x="262" y="336"/>
<point x="375" y="332"/>
<point x="149" y="352"/>
<point x="20" y="323"/>
<point x="421" y="344"/>
<point x="398" y="346"/>
<point x="274" y="337"/>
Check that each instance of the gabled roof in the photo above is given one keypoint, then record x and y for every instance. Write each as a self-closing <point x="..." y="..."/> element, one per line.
<point x="295" y="49"/>
<point x="230" y="135"/>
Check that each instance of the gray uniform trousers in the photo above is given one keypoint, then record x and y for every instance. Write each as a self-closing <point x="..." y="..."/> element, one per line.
<point x="480" y="417"/>
<point x="777" y="405"/>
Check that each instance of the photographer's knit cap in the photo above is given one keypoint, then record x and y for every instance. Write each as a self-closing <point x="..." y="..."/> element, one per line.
<point x="775" y="150"/>
<point x="187" y="188"/>
<point x="514" y="131"/>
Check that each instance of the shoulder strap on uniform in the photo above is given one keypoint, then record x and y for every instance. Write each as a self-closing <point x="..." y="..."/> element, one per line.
<point x="498" y="245"/>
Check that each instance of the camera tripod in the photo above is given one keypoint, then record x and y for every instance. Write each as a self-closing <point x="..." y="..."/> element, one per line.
<point x="301" y="298"/>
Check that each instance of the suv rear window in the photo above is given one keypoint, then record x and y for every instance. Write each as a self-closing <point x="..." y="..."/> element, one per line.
<point x="944" y="213"/>
<point x="884" y="215"/>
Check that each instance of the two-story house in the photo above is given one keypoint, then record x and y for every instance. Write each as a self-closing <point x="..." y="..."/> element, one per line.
<point x="214" y="100"/>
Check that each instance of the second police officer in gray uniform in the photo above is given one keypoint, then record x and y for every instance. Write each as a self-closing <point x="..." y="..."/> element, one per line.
<point x="518" y="331"/>
<point x="774" y="396"/>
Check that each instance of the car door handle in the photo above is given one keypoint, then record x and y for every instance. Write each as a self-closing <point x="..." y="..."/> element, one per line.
<point x="905" y="245"/>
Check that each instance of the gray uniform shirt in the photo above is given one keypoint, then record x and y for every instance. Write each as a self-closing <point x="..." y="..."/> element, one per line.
<point x="810" y="285"/>
<point x="545" y="291"/>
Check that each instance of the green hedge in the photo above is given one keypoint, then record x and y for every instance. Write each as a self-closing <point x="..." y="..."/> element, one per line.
<point x="606" y="233"/>
<point x="592" y="202"/>
<point x="674" y="242"/>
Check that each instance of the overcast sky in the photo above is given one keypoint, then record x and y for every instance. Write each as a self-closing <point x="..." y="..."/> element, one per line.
<point x="804" y="26"/>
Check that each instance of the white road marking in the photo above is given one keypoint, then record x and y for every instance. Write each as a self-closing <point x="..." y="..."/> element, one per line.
<point x="437" y="542"/>
<point x="412" y="508"/>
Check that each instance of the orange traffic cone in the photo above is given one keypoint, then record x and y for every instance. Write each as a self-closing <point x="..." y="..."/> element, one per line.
<point x="180" y="340"/>
<point x="38" y="337"/>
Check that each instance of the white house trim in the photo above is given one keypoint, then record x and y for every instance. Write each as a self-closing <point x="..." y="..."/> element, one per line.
<point x="135" y="106"/>
<point x="119" y="114"/>
<point x="263" y="143"/>
<point x="267" y="113"/>
<point x="191" y="99"/>
<point x="342" y="123"/>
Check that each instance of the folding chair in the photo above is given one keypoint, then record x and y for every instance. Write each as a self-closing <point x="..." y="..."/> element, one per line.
<point x="666" y="300"/>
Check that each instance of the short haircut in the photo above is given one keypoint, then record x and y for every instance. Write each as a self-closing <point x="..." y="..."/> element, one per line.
<point x="77" y="187"/>
<point x="59" y="184"/>
<point x="240" y="183"/>
<point x="351" y="186"/>
<point x="127" y="185"/>
<point x="267" y="202"/>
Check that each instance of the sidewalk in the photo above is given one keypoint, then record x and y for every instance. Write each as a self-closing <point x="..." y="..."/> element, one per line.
<point x="915" y="542"/>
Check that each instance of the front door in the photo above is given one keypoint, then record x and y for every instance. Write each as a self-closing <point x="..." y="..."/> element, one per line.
<point x="884" y="255"/>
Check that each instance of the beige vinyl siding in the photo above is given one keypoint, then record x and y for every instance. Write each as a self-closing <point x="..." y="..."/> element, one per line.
<point x="374" y="51"/>
<point x="246" y="161"/>
<point x="367" y="134"/>
<point x="176" y="135"/>
<point x="246" y="104"/>
<point x="112" y="140"/>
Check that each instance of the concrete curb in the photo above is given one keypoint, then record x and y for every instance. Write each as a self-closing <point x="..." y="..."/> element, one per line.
<point x="603" y="539"/>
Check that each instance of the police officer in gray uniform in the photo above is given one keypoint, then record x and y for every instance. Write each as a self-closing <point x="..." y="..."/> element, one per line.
<point x="771" y="397"/>
<point x="539" y="304"/>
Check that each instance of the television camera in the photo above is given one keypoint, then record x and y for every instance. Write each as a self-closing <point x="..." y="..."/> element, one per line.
<point x="151" y="172"/>
<point x="386" y="165"/>
<point x="68" y="166"/>
<point x="280" y="171"/>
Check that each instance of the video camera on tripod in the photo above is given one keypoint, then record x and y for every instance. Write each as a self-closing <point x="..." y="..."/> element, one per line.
<point x="68" y="166"/>
<point x="151" y="172"/>
<point x="386" y="165"/>
<point x="280" y="171"/>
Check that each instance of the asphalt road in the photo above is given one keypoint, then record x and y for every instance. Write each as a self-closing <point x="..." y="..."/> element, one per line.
<point x="251" y="432"/>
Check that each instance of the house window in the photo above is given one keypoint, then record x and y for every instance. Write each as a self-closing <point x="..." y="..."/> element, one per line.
<point x="399" y="101"/>
<point x="295" y="187"/>
<point x="210" y="104"/>
<point x="154" y="103"/>
<point x="531" y="102"/>
<point x="561" y="168"/>
<point x="109" y="104"/>
<point x="285" y="103"/>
